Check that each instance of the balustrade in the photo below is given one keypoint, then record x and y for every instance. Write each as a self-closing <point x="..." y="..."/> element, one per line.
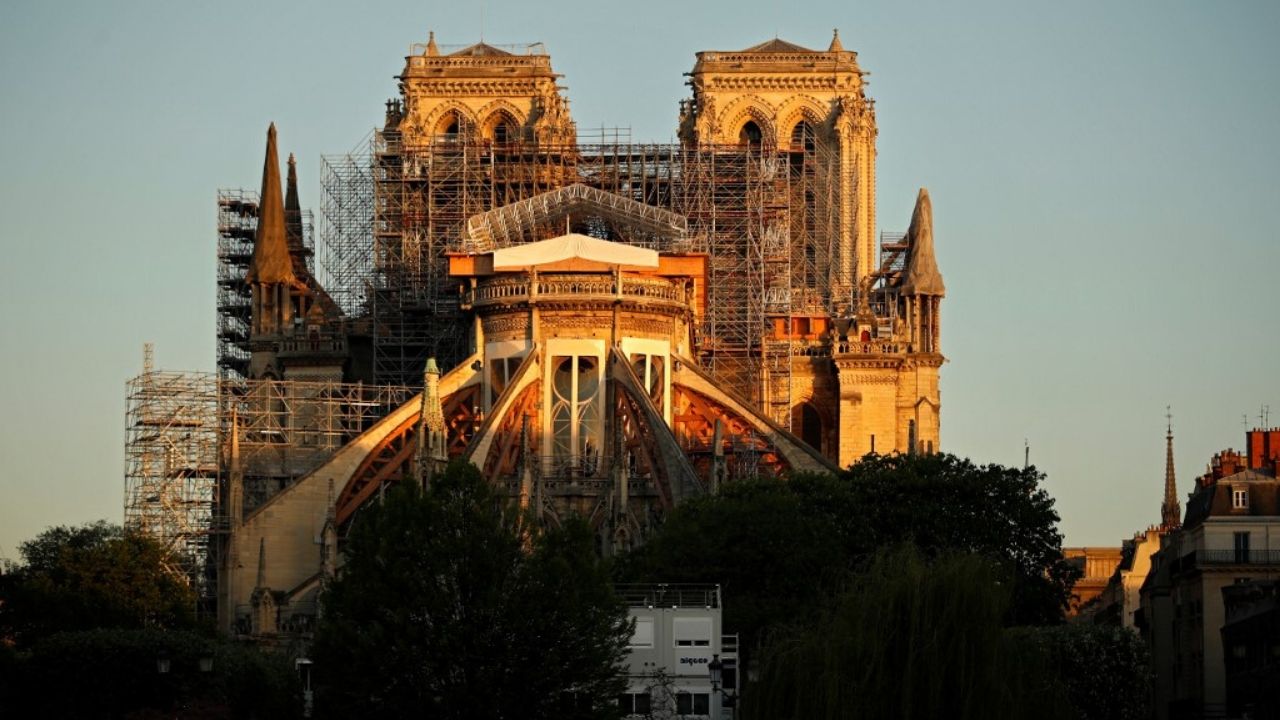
<point x="506" y="290"/>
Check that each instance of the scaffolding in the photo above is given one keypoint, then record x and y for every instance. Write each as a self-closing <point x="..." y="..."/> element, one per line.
<point x="769" y="218"/>
<point x="283" y="430"/>
<point x="237" y="225"/>
<point x="171" y="465"/>
<point x="346" y="229"/>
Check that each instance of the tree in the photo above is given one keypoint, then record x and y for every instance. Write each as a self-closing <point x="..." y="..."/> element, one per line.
<point x="908" y="638"/>
<point x="780" y="549"/>
<point x="943" y="503"/>
<point x="1105" y="670"/>
<point x="759" y="539"/>
<point x="91" y="576"/>
<point x="453" y="605"/>
<point x="114" y="673"/>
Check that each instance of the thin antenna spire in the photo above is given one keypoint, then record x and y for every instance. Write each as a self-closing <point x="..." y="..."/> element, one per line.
<point x="1026" y="453"/>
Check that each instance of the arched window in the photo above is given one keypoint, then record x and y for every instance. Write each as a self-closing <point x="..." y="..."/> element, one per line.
<point x="811" y="426"/>
<point x="575" y="412"/>
<point x="449" y="129"/>
<point x="502" y="133"/>
<point x="750" y="134"/>
<point x="803" y="136"/>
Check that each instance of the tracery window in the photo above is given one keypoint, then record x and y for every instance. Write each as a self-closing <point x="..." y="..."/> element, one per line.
<point x="651" y="369"/>
<point x="576" y="426"/>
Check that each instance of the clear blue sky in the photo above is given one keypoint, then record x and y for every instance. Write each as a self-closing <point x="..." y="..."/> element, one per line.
<point x="1105" y="179"/>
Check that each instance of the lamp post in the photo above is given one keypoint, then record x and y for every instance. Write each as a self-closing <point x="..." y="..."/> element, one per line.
<point x="716" y="668"/>
<point x="303" y="666"/>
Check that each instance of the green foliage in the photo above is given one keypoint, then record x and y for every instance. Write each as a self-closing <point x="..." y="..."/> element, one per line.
<point x="92" y="576"/>
<point x="906" y="639"/>
<point x="778" y="548"/>
<point x="45" y="553"/>
<point x="943" y="503"/>
<point x="1104" y="669"/>
<point x="452" y="605"/>
<point x="760" y="539"/>
<point x="113" y="673"/>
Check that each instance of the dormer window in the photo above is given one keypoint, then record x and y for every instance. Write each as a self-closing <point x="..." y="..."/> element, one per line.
<point x="1240" y="499"/>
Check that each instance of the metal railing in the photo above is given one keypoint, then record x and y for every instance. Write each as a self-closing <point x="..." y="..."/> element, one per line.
<point x="670" y="595"/>
<point x="1237" y="557"/>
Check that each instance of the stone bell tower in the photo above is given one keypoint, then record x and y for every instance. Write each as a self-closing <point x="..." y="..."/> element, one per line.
<point x="781" y="95"/>
<point x="480" y="92"/>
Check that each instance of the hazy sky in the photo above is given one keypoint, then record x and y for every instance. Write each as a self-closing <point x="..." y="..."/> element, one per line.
<point x="1105" y="179"/>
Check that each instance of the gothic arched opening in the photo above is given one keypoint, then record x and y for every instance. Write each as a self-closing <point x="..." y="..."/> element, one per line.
<point x="803" y="136"/>
<point x="449" y="129"/>
<point x="811" y="426"/>
<point x="750" y="134"/>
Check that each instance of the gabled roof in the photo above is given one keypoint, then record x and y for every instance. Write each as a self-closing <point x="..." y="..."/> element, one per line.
<point x="777" y="45"/>
<point x="573" y="247"/>
<point x="480" y="50"/>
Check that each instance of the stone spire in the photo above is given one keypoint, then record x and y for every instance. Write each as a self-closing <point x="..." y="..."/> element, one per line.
<point x="292" y="208"/>
<point x="262" y="563"/>
<point x="922" y="276"/>
<point x="835" y="42"/>
<point x="432" y="454"/>
<point x="271" y="262"/>
<point x="1170" y="509"/>
<point x="432" y="49"/>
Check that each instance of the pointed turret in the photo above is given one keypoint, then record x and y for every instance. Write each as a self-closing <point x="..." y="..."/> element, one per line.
<point x="262" y="563"/>
<point x="432" y="49"/>
<point x="271" y="263"/>
<point x="835" y="42"/>
<point x="265" y="619"/>
<point x="922" y="276"/>
<point x="432" y="454"/>
<point x="1170" y="509"/>
<point x="292" y="208"/>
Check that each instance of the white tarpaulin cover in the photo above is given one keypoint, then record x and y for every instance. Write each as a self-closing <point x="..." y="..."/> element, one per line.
<point x="573" y="246"/>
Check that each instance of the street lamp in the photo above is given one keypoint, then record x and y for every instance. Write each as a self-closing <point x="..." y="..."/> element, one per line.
<point x="303" y="666"/>
<point x="163" y="662"/>
<point x="716" y="668"/>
